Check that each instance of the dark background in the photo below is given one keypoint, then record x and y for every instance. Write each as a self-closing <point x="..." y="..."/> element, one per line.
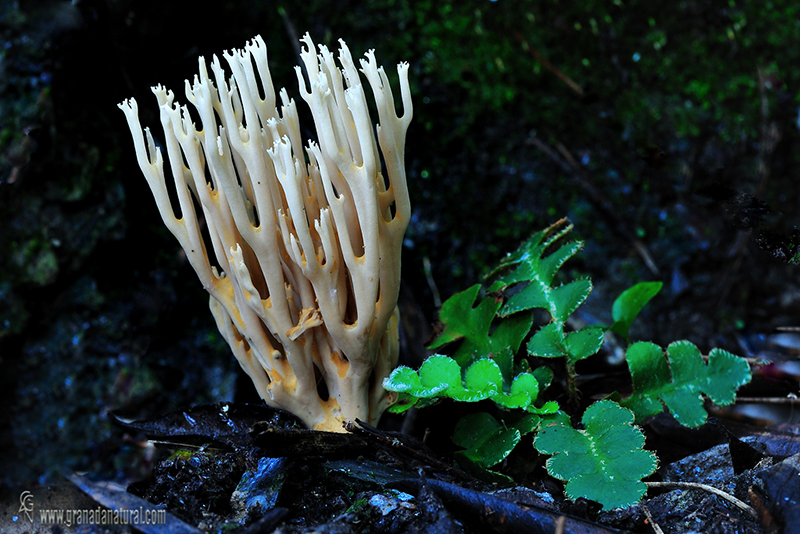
<point x="668" y="135"/>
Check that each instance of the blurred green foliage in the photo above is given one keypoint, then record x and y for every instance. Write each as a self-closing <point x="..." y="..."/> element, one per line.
<point x="604" y="461"/>
<point x="664" y="100"/>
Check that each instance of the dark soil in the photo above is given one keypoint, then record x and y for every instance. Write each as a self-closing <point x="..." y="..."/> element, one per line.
<point x="272" y="476"/>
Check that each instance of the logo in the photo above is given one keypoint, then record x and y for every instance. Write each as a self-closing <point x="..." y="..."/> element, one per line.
<point x="26" y="504"/>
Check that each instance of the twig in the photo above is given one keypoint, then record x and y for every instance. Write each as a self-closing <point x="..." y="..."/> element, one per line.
<point x="395" y="442"/>
<point x="546" y="64"/>
<point x="292" y="31"/>
<point x="711" y="489"/>
<point x="750" y="361"/>
<point x="605" y="206"/>
<point x="567" y="162"/>
<point x="768" y="400"/>
<point x="497" y="515"/>
<point x="560" y="522"/>
<point x="426" y="265"/>
<point x="770" y="135"/>
<point x="652" y="521"/>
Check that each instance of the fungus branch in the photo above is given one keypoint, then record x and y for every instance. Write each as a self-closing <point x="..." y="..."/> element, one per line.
<point x="309" y="238"/>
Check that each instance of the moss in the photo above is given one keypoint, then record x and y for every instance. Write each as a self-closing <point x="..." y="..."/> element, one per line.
<point x="36" y="261"/>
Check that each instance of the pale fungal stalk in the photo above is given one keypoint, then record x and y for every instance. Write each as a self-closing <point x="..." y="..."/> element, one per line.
<point x="309" y="239"/>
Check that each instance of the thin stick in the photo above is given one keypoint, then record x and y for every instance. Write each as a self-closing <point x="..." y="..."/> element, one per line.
<point x="767" y="400"/>
<point x="711" y="489"/>
<point x="549" y="66"/>
<point x="560" y="522"/>
<point x="567" y="162"/>
<point x="652" y="521"/>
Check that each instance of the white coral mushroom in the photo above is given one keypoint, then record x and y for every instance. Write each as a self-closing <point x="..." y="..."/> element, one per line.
<point x="309" y="239"/>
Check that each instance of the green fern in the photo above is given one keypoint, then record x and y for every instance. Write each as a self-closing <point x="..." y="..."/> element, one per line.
<point x="604" y="461"/>
<point x="536" y="273"/>
<point x="528" y="266"/>
<point x="471" y="324"/>
<point x="629" y="304"/>
<point x="487" y="441"/>
<point x="680" y="380"/>
<point x="441" y="376"/>
<point x="552" y="342"/>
